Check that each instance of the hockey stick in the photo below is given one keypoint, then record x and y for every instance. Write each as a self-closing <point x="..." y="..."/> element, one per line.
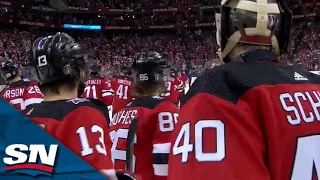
<point x="130" y="144"/>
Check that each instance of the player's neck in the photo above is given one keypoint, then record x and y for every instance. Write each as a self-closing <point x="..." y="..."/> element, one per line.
<point x="61" y="96"/>
<point x="145" y="95"/>
<point x="236" y="51"/>
<point x="17" y="78"/>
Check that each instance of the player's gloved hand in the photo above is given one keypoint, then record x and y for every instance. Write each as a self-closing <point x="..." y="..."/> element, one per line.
<point x="125" y="175"/>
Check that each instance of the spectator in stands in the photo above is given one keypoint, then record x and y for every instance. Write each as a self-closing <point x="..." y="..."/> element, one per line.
<point x="193" y="50"/>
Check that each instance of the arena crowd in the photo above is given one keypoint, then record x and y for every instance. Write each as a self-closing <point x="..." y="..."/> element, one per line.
<point x="185" y="49"/>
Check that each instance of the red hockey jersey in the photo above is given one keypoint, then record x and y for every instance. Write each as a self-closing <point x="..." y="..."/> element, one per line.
<point x="22" y="93"/>
<point x="79" y="125"/>
<point x="122" y="87"/>
<point x="184" y="79"/>
<point x="174" y="87"/>
<point x="249" y="121"/>
<point x="157" y="118"/>
<point x="98" y="88"/>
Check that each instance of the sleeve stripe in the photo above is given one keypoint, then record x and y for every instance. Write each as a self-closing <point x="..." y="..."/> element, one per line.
<point x="107" y="94"/>
<point x="160" y="169"/>
<point x="110" y="173"/>
<point x="160" y="158"/>
<point x="161" y="148"/>
<point x="104" y="91"/>
<point x="32" y="101"/>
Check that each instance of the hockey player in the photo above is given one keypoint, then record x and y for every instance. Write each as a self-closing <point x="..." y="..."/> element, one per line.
<point x="184" y="80"/>
<point x="174" y="86"/>
<point x="156" y="121"/>
<point x="122" y="87"/>
<point x="77" y="123"/>
<point x="98" y="90"/>
<point x="19" y="93"/>
<point x="251" y="118"/>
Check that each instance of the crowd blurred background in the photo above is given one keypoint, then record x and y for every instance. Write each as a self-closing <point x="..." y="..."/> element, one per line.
<point x="182" y="30"/>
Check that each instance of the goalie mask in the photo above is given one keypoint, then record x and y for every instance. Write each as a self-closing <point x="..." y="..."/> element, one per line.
<point x="254" y="22"/>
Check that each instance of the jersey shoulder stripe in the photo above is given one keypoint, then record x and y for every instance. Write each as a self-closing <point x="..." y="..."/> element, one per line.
<point x="61" y="108"/>
<point x="231" y="80"/>
<point x="148" y="102"/>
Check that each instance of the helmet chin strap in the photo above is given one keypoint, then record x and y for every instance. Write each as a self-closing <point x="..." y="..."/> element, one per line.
<point x="232" y="42"/>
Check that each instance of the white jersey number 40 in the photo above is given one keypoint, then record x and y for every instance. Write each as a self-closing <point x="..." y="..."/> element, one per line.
<point x="307" y="158"/>
<point x="197" y="147"/>
<point x="303" y="167"/>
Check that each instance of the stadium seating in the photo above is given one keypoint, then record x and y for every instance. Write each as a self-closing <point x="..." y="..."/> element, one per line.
<point x="192" y="46"/>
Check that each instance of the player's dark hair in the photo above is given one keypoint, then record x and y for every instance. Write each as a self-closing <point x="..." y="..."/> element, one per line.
<point x="94" y="74"/>
<point x="12" y="77"/>
<point x="81" y="87"/>
<point x="95" y="71"/>
<point x="149" y="89"/>
<point x="70" y="83"/>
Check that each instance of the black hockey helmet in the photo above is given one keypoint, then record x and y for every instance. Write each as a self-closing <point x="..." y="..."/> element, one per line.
<point x="9" y="69"/>
<point x="173" y="72"/>
<point x="149" y="68"/>
<point x="179" y="73"/>
<point x="125" y="71"/>
<point x="255" y="22"/>
<point x="58" y="56"/>
<point x="95" y="70"/>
